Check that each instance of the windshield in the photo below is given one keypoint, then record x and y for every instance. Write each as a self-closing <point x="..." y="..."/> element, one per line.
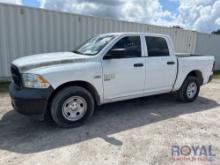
<point x="94" y="45"/>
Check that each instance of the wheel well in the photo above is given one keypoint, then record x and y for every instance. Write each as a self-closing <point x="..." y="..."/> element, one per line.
<point x="83" y="84"/>
<point x="197" y="74"/>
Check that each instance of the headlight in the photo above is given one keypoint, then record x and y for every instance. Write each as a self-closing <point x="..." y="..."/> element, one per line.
<point x="34" y="81"/>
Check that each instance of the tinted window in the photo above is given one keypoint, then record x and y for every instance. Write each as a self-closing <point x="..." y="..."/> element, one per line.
<point x="127" y="47"/>
<point x="157" y="46"/>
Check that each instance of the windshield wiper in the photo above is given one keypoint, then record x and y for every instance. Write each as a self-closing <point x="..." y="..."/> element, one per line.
<point x="77" y="52"/>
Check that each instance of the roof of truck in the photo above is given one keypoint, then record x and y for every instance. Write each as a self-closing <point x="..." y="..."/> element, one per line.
<point x="138" y="33"/>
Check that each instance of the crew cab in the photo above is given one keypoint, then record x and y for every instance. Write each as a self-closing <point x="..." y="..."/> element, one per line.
<point x="107" y="68"/>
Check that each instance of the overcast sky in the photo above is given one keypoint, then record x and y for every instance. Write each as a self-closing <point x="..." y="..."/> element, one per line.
<point x="200" y="15"/>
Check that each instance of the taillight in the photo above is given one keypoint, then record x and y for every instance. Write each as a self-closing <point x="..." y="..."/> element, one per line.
<point x="213" y="67"/>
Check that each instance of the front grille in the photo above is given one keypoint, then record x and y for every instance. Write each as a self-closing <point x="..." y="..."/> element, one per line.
<point x="16" y="77"/>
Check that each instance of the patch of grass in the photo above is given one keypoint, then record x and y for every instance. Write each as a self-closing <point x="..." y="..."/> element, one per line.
<point x="4" y="87"/>
<point x="217" y="74"/>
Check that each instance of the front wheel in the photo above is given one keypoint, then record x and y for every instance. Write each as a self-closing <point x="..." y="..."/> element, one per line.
<point x="189" y="90"/>
<point x="72" y="106"/>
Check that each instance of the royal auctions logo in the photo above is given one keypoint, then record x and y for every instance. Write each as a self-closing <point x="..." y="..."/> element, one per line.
<point x="192" y="153"/>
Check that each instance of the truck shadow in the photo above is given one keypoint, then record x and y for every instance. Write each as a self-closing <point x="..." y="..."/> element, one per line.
<point x="24" y="135"/>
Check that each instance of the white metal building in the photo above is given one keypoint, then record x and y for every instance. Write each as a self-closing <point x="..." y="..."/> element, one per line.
<point x="25" y="31"/>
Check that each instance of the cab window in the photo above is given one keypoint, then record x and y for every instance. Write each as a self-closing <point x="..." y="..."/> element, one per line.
<point x="127" y="47"/>
<point x="157" y="46"/>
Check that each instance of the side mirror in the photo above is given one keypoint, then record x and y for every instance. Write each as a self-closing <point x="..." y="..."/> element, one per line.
<point x="115" y="53"/>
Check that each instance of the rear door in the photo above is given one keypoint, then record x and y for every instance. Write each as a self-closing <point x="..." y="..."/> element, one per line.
<point x="124" y="68"/>
<point x="161" y="65"/>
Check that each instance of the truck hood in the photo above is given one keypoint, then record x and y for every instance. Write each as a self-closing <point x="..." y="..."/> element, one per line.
<point x="48" y="59"/>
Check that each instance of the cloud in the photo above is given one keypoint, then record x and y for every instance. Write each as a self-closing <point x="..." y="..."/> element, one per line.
<point x="147" y="11"/>
<point x="103" y="8"/>
<point x="18" y="2"/>
<point x="217" y="21"/>
<point x="201" y="15"/>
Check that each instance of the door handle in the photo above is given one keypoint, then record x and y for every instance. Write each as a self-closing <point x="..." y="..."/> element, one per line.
<point x="138" y="65"/>
<point x="170" y="63"/>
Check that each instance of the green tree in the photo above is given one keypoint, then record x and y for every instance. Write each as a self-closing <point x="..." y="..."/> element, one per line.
<point x="177" y="26"/>
<point x="216" y="32"/>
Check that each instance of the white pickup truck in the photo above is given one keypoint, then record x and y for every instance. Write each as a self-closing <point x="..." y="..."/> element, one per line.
<point x="107" y="68"/>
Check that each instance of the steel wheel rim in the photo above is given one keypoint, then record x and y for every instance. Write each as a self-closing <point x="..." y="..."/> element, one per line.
<point x="74" y="108"/>
<point x="191" y="90"/>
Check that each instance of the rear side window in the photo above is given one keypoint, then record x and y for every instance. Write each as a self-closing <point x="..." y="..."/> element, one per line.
<point x="157" y="46"/>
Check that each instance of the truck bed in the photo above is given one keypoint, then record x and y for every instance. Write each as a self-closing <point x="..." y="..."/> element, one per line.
<point x="193" y="62"/>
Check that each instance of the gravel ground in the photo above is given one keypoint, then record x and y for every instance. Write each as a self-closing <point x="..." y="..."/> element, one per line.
<point x="139" y="131"/>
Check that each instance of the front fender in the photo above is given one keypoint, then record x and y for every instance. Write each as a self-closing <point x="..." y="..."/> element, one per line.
<point x="90" y="72"/>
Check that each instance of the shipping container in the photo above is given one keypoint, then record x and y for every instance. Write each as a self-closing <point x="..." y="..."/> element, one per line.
<point x="209" y="44"/>
<point x="25" y="31"/>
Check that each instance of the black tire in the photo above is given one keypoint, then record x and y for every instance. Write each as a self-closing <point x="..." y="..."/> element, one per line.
<point x="61" y="97"/>
<point x="182" y="93"/>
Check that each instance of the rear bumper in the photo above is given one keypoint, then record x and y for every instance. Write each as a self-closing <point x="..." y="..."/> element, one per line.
<point x="29" y="101"/>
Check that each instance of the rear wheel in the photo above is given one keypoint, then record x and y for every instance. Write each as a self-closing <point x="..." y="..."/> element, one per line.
<point x="189" y="90"/>
<point x="72" y="106"/>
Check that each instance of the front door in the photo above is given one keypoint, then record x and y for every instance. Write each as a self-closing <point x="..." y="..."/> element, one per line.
<point x="124" y="69"/>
